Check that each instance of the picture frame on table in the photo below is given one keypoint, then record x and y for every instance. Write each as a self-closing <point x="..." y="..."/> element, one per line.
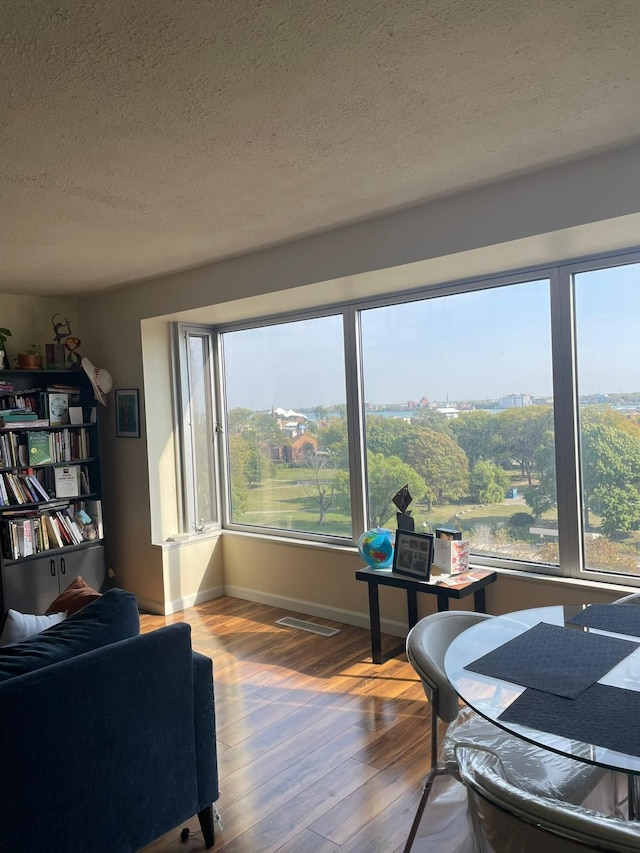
<point x="127" y="413"/>
<point x="413" y="554"/>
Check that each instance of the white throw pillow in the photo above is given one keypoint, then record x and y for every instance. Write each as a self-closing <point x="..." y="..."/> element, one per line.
<point x="18" y="626"/>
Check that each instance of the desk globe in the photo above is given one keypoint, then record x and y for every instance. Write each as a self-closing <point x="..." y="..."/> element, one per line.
<point x="376" y="547"/>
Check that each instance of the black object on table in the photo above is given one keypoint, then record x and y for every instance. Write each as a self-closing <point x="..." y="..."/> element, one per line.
<point x="554" y="659"/>
<point x="602" y="714"/>
<point x="383" y="577"/>
<point x="616" y="618"/>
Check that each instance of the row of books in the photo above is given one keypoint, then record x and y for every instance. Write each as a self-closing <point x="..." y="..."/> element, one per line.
<point x="21" y="489"/>
<point x="68" y="524"/>
<point x="29" y="486"/>
<point x="63" y="445"/>
<point x="37" y="399"/>
<point x="28" y="400"/>
<point x="41" y="448"/>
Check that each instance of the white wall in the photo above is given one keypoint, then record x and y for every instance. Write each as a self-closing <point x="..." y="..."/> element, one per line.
<point x="585" y="207"/>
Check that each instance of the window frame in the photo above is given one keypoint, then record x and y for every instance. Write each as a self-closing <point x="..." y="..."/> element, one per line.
<point x="574" y="547"/>
<point x="355" y="466"/>
<point x="183" y="426"/>
<point x="561" y="278"/>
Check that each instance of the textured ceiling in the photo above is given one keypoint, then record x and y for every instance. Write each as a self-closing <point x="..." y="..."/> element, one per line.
<point x="144" y="136"/>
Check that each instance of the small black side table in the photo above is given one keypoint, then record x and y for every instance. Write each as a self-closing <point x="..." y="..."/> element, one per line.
<point x="384" y="577"/>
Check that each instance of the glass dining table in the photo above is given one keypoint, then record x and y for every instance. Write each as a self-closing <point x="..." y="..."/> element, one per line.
<point x="578" y="692"/>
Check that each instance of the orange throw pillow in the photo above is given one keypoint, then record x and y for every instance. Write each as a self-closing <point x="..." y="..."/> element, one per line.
<point x="74" y="597"/>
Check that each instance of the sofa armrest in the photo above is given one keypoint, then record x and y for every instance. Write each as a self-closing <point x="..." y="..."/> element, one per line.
<point x="205" y="729"/>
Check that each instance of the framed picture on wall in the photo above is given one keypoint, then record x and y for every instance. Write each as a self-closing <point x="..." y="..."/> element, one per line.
<point x="127" y="413"/>
<point x="413" y="554"/>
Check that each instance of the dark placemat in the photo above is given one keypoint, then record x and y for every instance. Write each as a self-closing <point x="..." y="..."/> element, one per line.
<point x="602" y="715"/>
<point x="558" y="660"/>
<point x="617" y="618"/>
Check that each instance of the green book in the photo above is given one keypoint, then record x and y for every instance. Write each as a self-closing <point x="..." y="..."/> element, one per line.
<point x="39" y="450"/>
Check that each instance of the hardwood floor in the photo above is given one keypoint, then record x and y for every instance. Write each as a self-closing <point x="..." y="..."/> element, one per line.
<point x="319" y="750"/>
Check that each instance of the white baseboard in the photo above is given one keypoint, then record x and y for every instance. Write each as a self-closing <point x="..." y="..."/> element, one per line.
<point x="310" y="608"/>
<point x="176" y="605"/>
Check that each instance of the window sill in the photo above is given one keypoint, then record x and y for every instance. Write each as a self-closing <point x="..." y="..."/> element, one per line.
<point x="187" y="539"/>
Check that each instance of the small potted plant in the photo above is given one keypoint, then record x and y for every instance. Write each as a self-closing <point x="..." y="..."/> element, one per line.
<point x="4" y="361"/>
<point x="30" y="358"/>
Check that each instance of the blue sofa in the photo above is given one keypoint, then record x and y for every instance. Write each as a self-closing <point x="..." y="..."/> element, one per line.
<point x="107" y="736"/>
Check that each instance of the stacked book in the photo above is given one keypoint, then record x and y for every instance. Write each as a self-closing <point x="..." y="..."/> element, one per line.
<point x="6" y="387"/>
<point x="19" y="418"/>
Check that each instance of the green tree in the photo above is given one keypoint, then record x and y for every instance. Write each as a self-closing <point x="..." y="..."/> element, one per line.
<point x="239" y="481"/>
<point x="610" y="452"/>
<point x="611" y="474"/>
<point x="521" y="432"/>
<point x="238" y="419"/>
<point x="442" y="464"/>
<point x="264" y="427"/>
<point x="519" y="525"/>
<point x="477" y="434"/>
<point x="488" y="483"/>
<point x="542" y="496"/>
<point x="320" y="412"/>
<point x="432" y="419"/>
<point x="385" y="475"/>
<point x="258" y="466"/>
<point x="389" y="436"/>
<point x="322" y="484"/>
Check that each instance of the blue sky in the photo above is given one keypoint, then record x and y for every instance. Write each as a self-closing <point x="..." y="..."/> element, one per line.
<point x="461" y="347"/>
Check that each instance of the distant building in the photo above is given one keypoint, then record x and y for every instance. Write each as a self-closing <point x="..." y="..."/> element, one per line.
<point x="291" y="423"/>
<point x="450" y="411"/>
<point x="515" y="401"/>
<point x="299" y="449"/>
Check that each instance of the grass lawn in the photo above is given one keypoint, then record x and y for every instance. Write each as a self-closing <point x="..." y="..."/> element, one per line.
<point x="288" y="502"/>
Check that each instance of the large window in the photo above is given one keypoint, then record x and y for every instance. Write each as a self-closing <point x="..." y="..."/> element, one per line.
<point x="509" y="407"/>
<point x="459" y="405"/>
<point x="287" y="450"/>
<point x="608" y="355"/>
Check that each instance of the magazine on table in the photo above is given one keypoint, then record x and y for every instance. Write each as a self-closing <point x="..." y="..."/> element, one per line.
<point x="462" y="579"/>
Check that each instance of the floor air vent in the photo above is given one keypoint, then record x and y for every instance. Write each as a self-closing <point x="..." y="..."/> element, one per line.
<point x="289" y="622"/>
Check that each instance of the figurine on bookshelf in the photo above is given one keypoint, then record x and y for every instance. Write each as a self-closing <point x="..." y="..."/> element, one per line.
<point x="65" y="349"/>
<point x="72" y="346"/>
<point x="60" y="330"/>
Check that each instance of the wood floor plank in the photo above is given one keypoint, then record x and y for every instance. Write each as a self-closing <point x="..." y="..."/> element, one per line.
<point x="308" y="842"/>
<point x="319" y="749"/>
<point x="353" y="812"/>
<point x="293" y="816"/>
<point x="328" y="732"/>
